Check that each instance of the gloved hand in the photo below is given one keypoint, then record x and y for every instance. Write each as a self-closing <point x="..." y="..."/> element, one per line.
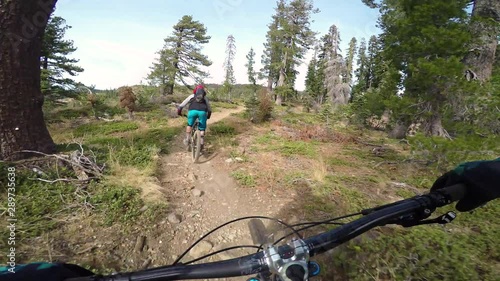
<point x="179" y="111"/>
<point x="482" y="179"/>
<point x="209" y="114"/>
<point x="44" y="271"/>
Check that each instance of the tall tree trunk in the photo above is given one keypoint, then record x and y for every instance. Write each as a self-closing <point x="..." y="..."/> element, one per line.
<point x="281" y="83"/>
<point x="22" y="125"/>
<point x="435" y="127"/>
<point x="484" y="27"/>
<point x="169" y="88"/>
<point x="281" y="79"/>
<point x="270" y="84"/>
<point x="433" y="124"/>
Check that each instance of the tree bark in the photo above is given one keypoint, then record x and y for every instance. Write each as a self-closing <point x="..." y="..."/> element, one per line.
<point x="484" y="28"/>
<point x="22" y="124"/>
<point x="169" y="88"/>
<point x="269" y="84"/>
<point x="435" y="127"/>
<point x="281" y="83"/>
<point x="399" y="131"/>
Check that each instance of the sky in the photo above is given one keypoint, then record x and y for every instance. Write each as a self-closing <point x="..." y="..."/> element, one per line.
<point x="117" y="40"/>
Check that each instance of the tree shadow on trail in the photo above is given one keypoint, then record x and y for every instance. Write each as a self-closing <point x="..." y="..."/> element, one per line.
<point x="207" y="157"/>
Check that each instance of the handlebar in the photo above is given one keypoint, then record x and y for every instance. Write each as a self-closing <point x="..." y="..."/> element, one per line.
<point x="412" y="209"/>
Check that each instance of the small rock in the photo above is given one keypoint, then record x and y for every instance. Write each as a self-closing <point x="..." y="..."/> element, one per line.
<point x="229" y="160"/>
<point x="201" y="249"/>
<point x="143" y="209"/>
<point x="174" y="218"/>
<point x="399" y="185"/>
<point x="238" y="159"/>
<point x="197" y="192"/>
<point x="193" y="177"/>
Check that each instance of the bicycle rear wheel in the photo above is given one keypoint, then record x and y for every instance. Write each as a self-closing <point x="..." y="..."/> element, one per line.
<point x="193" y="137"/>
<point x="196" y="148"/>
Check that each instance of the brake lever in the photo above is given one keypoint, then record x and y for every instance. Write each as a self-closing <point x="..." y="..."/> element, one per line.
<point x="443" y="219"/>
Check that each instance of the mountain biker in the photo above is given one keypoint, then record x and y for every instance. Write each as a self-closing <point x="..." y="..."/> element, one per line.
<point x="199" y="108"/>
<point x="482" y="180"/>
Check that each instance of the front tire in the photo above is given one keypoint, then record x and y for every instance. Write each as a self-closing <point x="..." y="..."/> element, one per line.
<point x="258" y="232"/>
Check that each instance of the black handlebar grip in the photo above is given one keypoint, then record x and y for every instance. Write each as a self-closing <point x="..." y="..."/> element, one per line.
<point x="88" y="278"/>
<point x="454" y="192"/>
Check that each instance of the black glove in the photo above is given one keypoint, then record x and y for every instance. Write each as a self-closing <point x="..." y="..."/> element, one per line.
<point x="179" y="111"/>
<point x="209" y="114"/>
<point x="482" y="179"/>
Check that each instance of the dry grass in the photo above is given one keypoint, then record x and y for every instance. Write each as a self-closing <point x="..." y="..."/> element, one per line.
<point x="320" y="170"/>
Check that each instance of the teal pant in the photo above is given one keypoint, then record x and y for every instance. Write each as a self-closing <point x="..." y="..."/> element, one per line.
<point x="202" y="119"/>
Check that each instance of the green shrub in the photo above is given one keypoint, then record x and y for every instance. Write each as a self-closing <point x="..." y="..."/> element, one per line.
<point x="446" y="154"/>
<point x="421" y="253"/>
<point x="104" y="128"/>
<point x="135" y="155"/>
<point x="69" y="113"/>
<point x="259" y="108"/>
<point x="39" y="204"/>
<point x="160" y="138"/>
<point x="244" y="178"/>
<point x="117" y="203"/>
<point x="222" y="128"/>
<point x="105" y="109"/>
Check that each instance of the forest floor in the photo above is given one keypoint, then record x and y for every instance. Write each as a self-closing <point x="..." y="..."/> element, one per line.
<point x="154" y="202"/>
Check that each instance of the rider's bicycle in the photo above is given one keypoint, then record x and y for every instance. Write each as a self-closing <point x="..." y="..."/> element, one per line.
<point x="195" y="145"/>
<point x="291" y="262"/>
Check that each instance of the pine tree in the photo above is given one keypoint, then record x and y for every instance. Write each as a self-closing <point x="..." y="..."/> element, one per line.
<point x="296" y="37"/>
<point x="229" y="79"/>
<point x="159" y="73"/>
<point x="337" y="89"/>
<point x="362" y="71"/>
<point x="375" y="67"/>
<point x="181" y="56"/>
<point x="350" y="60"/>
<point x="311" y="78"/>
<point x="425" y="41"/>
<point x="271" y="57"/>
<point x="22" y="123"/>
<point x="314" y="81"/>
<point x="252" y="75"/>
<point x="485" y="28"/>
<point x="55" y="62"/>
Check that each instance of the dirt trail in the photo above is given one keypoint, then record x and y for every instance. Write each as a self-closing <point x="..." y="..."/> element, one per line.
<point x="204" y="195"/>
